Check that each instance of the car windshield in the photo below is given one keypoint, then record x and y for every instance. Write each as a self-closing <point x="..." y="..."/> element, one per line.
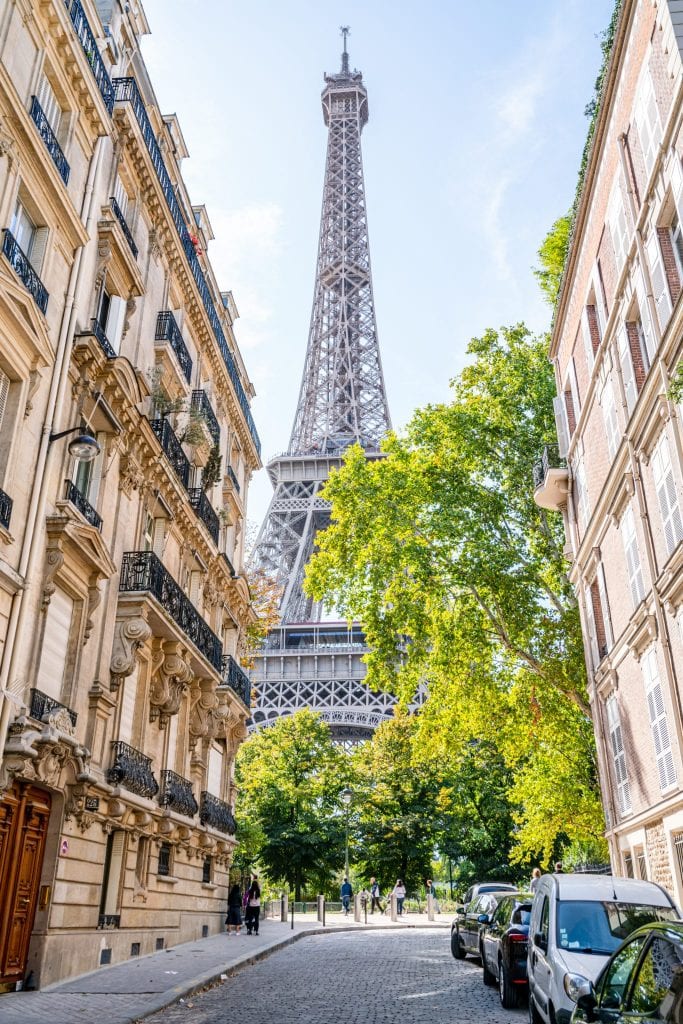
<point x="586" y="926"/>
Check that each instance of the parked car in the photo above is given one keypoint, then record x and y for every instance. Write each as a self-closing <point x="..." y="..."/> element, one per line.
<point x="643" y="980"/>
<point x="467" y="923"/>
<point x="480" y="887"/>
<point x="503" y="944"/>
<point x="577" y="922"/>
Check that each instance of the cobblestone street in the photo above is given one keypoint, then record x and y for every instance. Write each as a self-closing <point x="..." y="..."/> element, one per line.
<point x="360" y="978"/>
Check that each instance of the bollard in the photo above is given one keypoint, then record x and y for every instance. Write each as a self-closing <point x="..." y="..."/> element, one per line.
<point x="284" y="907"/>
<point x="293" y="915"/>
<point x="323" y="899"/>
<point x="357" y="900"/>
<point x="365" y="909"/>
<point x="394" y="915"/>
<point x="430" y="908"/>
<point x="319" y="908"/>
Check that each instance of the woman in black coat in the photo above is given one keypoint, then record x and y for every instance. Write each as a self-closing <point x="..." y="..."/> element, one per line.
<point x="253" y="907"/>
<point x="234" y="918"/>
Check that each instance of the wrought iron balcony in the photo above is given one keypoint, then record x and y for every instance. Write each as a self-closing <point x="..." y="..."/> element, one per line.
<point x="168" y="330"/>
<point x="233" y="476"/>
<point x="237" y="679"/>
<point x="50" y="139"/>
<point x="201" y="406"/>
<point x="91" y="51"/>
<point x="127" y="92"/>
<point x="203" y="508"/>
<point x="176" y="793"/>
<point x="173" y="448"/>
<point x="105" y="344"/>
<point x="80" y="502"/>
<point x="42" y="705"/>
<point x="22" y="267"/>
<point x="130" y="768"/>
<point x="5" y="509"/>
<point x="551" y="479"/>
<point x="142" y="570"/>
<point x="118" y="213"/>
<point x="216" y="813"/>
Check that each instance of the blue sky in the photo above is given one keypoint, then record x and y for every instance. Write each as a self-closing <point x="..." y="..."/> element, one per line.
<point x="472" y="150"/>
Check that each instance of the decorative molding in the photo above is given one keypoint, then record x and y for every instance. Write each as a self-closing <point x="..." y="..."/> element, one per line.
<point x="171" y="673"/>
<point x="207" y="711"/>
<point x="129" y="636"/>
<point x="625" y="492"/>
<point x="48" y="755"/>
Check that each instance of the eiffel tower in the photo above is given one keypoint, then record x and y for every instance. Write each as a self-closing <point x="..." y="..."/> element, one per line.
<point x="309" y="660"/>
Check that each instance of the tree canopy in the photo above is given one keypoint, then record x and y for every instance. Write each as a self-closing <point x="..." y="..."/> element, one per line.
<point x="552" y="255"/>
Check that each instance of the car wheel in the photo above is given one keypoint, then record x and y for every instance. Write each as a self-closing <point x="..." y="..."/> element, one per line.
<point x="506" y="990"/>
<point x="456" y="949"/>
<point x="489" y="978"/>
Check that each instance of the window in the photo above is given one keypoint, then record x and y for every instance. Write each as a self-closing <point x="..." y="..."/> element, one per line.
<point x="665" y="485"/>
<point x="618" y="754"/>
<point x="165" y="859"/>
<point x="630" y="542"/>
<point x="628" y="865"/>
<point x="121" y="197"/>
<point x="627" y="372"/>
<point x="544" y="926"/>
<point x="582" y="507"/>
<point x="55" y="648"/>
<point x="207" y="870"/>
<point x="655" y="977"/>
<point x="154" y="534"/>
<point x="31" y="239"/>
<point x="676" y="235"/>
<point x="617" y="224"/>
<point x="591" y="327"/>
<point x="111" y="882"/>
<point x="142" y="862"/>
<point x="660" y="289"/>
<point x="609" y="413"/>
<point x="644" y="320"/>
<point x="597" y="609"/>
<point x="678" y="851"/>
<point x="658" y="720"/>
<point x="111" y="315"/>
<point x="647" y="120"/>
<point x="641" y="863"/>
<point x="618" y="974"/>
<point x="49" y="105"/>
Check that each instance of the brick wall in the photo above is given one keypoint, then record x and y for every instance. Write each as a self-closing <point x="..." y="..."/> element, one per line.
<point x="669" y="260"/>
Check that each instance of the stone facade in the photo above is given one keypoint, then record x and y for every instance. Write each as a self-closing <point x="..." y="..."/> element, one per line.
<point x="123" y="607"/>
<point x="616" y="346"/>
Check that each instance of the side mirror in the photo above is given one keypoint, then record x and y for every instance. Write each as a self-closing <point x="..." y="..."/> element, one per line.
<point x="483" y="919"/>
<point x="541" y="941"/>
<point x="460" y="909"/>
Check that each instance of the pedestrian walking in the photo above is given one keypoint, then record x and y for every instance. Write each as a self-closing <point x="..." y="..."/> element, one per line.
<point x="374" y="896"/>
<point x="346" y="894"/>
<point x="399" y="891"/>
<point x="535" y="879"/>
<point x="234" y="918"/>
<point x="431" y="891"/>
<point x="253" y="907"/>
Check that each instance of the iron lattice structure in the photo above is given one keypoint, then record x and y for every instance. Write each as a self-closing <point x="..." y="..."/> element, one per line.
<point x="307" y="662"/>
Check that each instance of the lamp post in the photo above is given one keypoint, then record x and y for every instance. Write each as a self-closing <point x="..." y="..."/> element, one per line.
<point x="347" y="797"/>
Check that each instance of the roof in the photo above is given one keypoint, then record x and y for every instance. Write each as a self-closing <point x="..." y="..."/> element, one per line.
<point x="610" y="887"/>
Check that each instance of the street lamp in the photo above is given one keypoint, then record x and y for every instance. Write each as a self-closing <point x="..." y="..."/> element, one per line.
<point x="83" y="447"/>
<point x="347" y="797"/>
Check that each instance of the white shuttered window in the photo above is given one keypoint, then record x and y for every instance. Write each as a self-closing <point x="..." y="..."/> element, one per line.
<point x="49" y="105"/>
<point x="617" y="224"/>
<point x="647" y="120"/>
<point x="666" y="493"/>
<point x="660" y="288"/>
<point x="609" y="413"/>
<point x="214" y="782"/>
<point x="55" y="644"/>
<point x="627" y="374"/>
<point x="618" y="755"/>
<point x="658" y="722"/>
<point x="630" y="541"/>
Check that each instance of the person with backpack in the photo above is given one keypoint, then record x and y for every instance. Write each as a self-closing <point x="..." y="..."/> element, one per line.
<point x="346" y="894"/>
<point x="253" y="906"/>
<point x="374" y="896"/>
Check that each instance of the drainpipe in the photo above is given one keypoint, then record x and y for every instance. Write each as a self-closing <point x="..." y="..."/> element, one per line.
<point x="31" y="546"/>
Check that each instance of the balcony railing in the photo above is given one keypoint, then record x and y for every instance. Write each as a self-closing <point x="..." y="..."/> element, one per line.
<point x="204" y="510"/>
<point x="142" y="570"/>
<point x="130" y="768"/>
<point x="168" y="330"/>
<point x="201" y="406"/>
<point x="22" y="267"/>
<point x="50" y="139"/>
<point x="233" y="476"/>
<point x="237" y="679"/>
<point x="42" y="705"/>
<point x="105" y="344"/>
<point x="173" y="449"/>
<point x="176" y="793"/>
<point x="118" y="213"/>
<point x="5" y="509"/>
<point x="216" y="813"/>
<point x="91" y="51"/>
<point x="549" y="460"/>
<point x="127" y="92"/>
<point x="72" y="494"/>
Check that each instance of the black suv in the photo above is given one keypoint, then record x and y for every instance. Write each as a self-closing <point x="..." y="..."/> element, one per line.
<point x="467" y="923"/>
<point x="504" y="941"/>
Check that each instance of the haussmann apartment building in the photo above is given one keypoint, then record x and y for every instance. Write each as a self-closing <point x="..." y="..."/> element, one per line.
<point x="126" y="449"/>
<point x="616" y="345"/>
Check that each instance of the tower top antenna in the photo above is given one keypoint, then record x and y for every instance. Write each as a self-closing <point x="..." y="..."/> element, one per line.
<point x="345" y="30"/>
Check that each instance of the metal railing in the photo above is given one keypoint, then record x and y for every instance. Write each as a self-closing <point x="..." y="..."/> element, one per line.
<point x="118" y="213"/>
<point x="201" y="406"/>
<point x="132" y="769"/>
<point x="42" y="705"/>
<point x="105" y="344"/>
<point x="141" y="571"/>
<point x="5" y="509"/>
<point x="237" y="679"/>
<point x="176" y="793"/>
<point x="204" y="510"/>
<point x="126" y="91"/>
<point x="168" y="330"/>
<point x="79" y="501"/>
<point x="50" y="139"/>
<point x="216" y="813"/>
<point x="233" y="476"/>
<point x="549" y="460"/>
<point x="173" y="449"/>
<point x="21" y="265"/>
<point x="91" y="51"/>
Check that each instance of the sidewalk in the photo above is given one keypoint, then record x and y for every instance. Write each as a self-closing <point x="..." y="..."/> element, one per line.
<point x="128" y="991"/>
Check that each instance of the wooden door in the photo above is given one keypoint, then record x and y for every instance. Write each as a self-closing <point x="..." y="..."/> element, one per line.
<point x="24" y="816"/>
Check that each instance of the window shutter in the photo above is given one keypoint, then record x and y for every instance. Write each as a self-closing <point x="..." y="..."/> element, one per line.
<point x="115" y="320"/>
<point x="110" y="903"/>
<point x="658" y="721"/>
<point x="159" y="536"/>
<point x="4" y="394"/>
<point x="660" y="289"/>
<point x="645" y="320"/>
<point x="666" y="493"/>
<point x="609" y="413"/>
<point x="618" y="754"/>
<point x="590" y="622"/>
<point x="172" y="742"/>
<point x="587" y="338"/>
<point x="627" y="373"/>
<point x="55" y="644"/>
<point x="39" y="248"/>
<point x="617" y="224"/>
<point x="121" y="196"/>
<point x="582" y="506"/>
<point x="48" y="102"/>
<point x="130" y="686"/>
<point x="630" y="542"/>
<point x="561" y="426"/>
<point x="604" y="605"/>
<point x="215" y="771"/>
<point x="647" y="120"/>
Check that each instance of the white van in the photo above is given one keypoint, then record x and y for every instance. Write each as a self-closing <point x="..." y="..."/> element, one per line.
<point x="577" y="921"/>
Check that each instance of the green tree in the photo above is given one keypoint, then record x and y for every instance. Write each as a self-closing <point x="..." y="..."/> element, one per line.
<point x="289" y="778"/>
<point x="552" y="256"/>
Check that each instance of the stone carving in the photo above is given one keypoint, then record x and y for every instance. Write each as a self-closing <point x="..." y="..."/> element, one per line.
<point x="94" y="598"/>
<point x="129" y="636"/>
<point x="103" y="259"/>
<point x="33" y="382"/>
<point x="47" y="755"/>
<point x="131" y="477"/>
<point x="207" y="711"/>
<point x="171" y="674"/>
<point x="55" y="561"/>
<point x="130" y="310"/>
